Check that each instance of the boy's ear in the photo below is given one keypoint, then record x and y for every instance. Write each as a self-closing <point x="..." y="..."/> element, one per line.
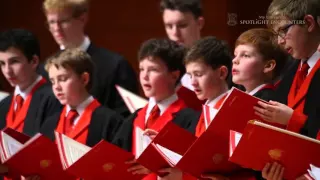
<point x="35" y="61"/>
<point x="269" y="66"/>
<point x="311" y="22"/>
<point x="85" y="78"/>
<point x="175" y="75"/>
<point x="223" y="72"/>
<point x="201" y="22"/>
<point x="84" y="18"/>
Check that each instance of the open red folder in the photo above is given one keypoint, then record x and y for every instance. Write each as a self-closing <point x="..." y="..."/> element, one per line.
<point x="37" y="156"/>
<point x="210" y="152"/>
<point x="103" y="161"/>
<point x="262" y="143"/>
<point x="20" y="137"/>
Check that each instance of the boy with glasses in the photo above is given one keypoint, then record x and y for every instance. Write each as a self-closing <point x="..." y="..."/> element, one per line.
<point x="66" y="21"/>
<point x="297" y="108"/>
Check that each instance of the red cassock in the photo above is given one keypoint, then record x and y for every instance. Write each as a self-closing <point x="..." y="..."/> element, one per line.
<point x="158" y="125"/>
<point x="80" y="130"/>
<point x="297" y="101"/>
<point x="16" y="121"/>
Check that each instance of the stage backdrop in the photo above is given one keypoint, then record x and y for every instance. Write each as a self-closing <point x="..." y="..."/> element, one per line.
<point x="122" y="26"/>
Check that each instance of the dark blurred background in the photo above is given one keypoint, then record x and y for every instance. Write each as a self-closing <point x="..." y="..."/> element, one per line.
<point x="123" y="25"/>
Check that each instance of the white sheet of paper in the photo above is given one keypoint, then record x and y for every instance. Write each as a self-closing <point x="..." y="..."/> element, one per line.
<point x="237" y="138"/>
<point x="3" y="95"/>
<point x="132" y="101"/>
<point x="10" y="144"/>
<point x="142" y="142"/>
<point x="314" y="172"/>
<point x="173" y="157"/>
<point x="73" y="149"/>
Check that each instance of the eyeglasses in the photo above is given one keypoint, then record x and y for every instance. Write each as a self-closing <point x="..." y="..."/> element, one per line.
<point x="283" y="31"/>
<point x="62" y="22"/>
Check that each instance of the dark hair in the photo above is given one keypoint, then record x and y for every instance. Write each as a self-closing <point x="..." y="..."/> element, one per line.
<point x="75" y="59"/>
<point x="192" y="6"/>
<point x="211" y="51"/>
<point x="21" y="39"/>
<point x="170" y="52"/>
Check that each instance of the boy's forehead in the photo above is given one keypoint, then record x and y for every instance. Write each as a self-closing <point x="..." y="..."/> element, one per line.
<point x="57" y="69"/>
<point x="176" y="15"/>
<point x="278" y="22"/>
<point x="151" y="60"/>
<point x="12" y="52"/>
<point x="196" y="64"/>
<point x="245" y="47"/>
<point x="58" y="13"/>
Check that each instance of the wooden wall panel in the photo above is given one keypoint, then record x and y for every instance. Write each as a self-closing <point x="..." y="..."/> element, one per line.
<point x="122" y="26"/>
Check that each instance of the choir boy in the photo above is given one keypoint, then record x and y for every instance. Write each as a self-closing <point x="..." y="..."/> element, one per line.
<point x="161" y="67"/>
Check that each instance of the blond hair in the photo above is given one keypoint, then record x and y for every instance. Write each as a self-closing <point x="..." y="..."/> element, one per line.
<point x="78" y="7"/>
<point x="292" y="10"/>
<point x="74" y="59"/>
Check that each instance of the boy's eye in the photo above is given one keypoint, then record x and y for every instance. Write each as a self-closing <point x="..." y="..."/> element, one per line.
<point x="169" y="26"/>
<point x="245" y="55"/>
<point x="198" y="74"/>
<point x="153" y="69"/>
<point x="14" y="61"/>
<point x="184" y="25"/>
<point x="63" y="78"/>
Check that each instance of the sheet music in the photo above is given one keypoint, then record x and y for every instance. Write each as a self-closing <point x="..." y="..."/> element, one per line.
<point x="132" y="101"/>
<point x="142" y="141"/>
<point x="73" y="149"/>
<point x="3" y="95"/>
<point x="173" y="157"/>
<point x="314" y="172"/>
<point x="10" y="144"/>
<point x="237" y="138"/>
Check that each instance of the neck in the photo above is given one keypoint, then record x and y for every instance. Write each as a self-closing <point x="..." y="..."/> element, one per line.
<point x="82" y="98"/>
<point x="76" y="43"/>
<point x="312" y="46"/>
<point x="252" y="85"/>
<point x="164" y="96"/>
<point x="28" y="83"/>
<point x="221" y="90"/>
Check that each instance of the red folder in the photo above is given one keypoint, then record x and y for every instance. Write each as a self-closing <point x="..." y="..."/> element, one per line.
<point x="38" y="156"/>
<point x="211" y="150"/>
<point x="175" y="138"/>
<point x="236" y="110"/>
<point x="171" y="138"/>
<point x="103" y="161"/>
<point x="106" y="161"/>
<point x="262" y="143"/>
<point x="21" y="137"/>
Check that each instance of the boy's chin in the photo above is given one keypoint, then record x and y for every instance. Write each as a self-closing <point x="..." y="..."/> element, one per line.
<point x="201" y="97"/>
<point x="148" y="94"/>
<point x="63" y="102"/>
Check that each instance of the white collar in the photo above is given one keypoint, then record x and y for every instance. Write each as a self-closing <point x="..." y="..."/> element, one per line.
<point x="26" y="92"/>
<point x="312" y="60"/>
<point x="84" y="46"/>
<point x="163" y="105"/>
<point x="213" y="102"/>
<point x="81" y="107"/>
<point x="255" y="90"/>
